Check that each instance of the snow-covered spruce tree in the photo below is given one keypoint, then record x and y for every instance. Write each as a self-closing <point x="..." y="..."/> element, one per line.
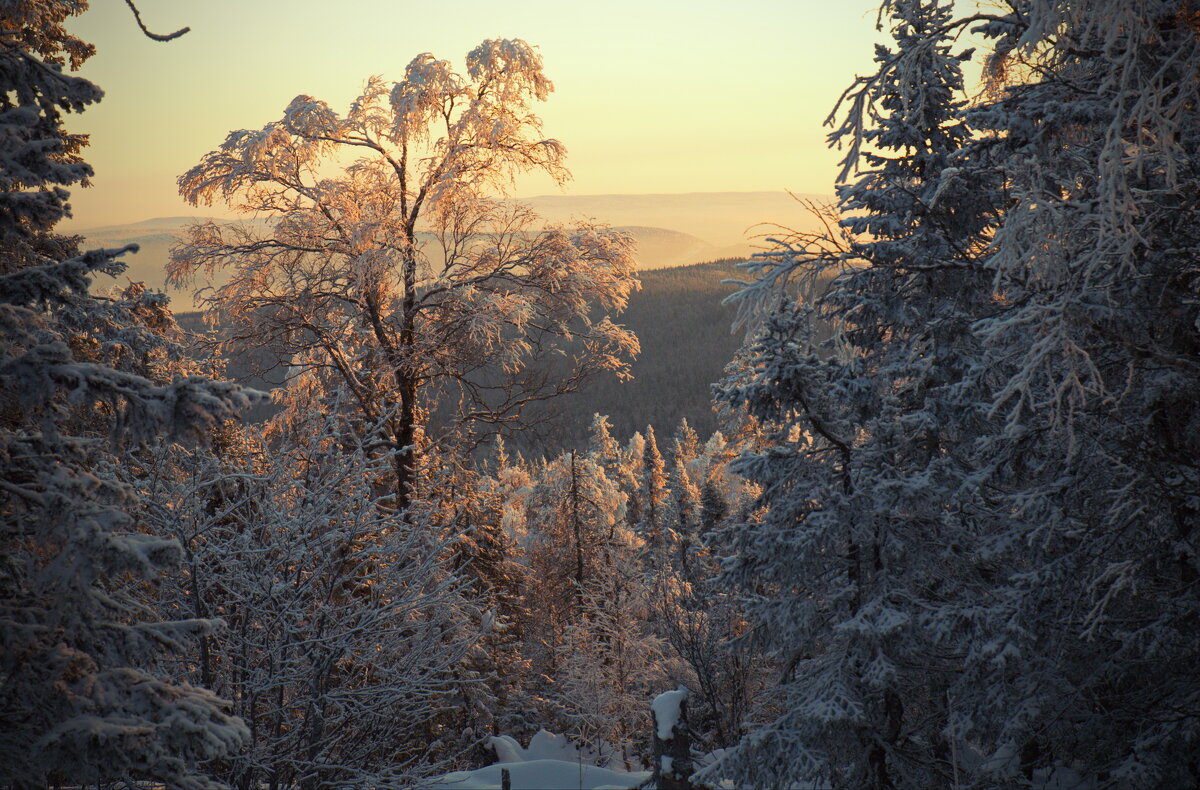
<point x="343" y="622"/>
<point x="683" y="499"/>
<point x="627" y="473"/>
<point x="510" y="483"/>
<point x="652" y="490"/>
<point x="40" y="158"/>
<point x="864" y="458"/>
<point x="685" y="444"/>
<point x="653" y="510"/>
<point x="621" y="465"/>
<point x="684" y="517"/>
<point x="403" y="280"/>
<point x="1083" y="669"/>
<point x="77" y="703"/>
<point x="602" y="447"/>
<point x="718" y="491"/>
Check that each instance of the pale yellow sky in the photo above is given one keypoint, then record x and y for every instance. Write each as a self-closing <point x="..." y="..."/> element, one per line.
<point x="651" y="96"/>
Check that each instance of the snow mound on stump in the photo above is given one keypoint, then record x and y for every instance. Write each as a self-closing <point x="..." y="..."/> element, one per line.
<point x="666" y="711"/>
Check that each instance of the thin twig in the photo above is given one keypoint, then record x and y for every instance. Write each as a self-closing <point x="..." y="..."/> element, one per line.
<point x="153" y="36"/>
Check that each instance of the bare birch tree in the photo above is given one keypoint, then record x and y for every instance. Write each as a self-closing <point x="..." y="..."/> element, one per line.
<point x="381" y="264"/>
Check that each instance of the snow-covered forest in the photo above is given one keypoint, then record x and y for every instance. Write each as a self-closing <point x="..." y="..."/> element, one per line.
<point x="946" y="536"/>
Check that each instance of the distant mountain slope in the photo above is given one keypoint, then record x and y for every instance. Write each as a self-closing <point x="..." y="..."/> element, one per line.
<point x="722" y="219"/>
<point x="657" y="248"/>
<point x="660" y="248"/>
<point x="147" y="227"/>
<point x="148" y="265"/>
<point x="671" y="229"/>
<point x="719" y="218"/>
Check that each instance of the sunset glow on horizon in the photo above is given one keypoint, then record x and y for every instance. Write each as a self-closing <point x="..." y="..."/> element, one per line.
<point x="661" y="97"/>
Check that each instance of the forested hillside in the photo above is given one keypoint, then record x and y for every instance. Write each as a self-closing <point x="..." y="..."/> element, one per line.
<point x="687" y="338"/>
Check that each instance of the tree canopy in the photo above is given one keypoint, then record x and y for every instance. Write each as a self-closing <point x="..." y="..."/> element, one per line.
<point x="385" y="271"/>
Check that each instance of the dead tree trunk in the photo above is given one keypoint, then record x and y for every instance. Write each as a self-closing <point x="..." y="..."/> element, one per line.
<point x="672" y="747"/>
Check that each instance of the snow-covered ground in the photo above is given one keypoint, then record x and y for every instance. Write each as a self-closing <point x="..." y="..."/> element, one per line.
<point x="542" y="775"/>
<point x="550" y="762"/>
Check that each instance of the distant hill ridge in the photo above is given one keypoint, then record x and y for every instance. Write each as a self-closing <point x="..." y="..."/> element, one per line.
<point x="657" y="248"/>
<point x="151" y="227"/>
<point x="719" y="218"/>
<point x="671" y="229"/>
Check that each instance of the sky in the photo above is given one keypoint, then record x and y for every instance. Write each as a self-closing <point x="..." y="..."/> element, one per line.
<point x="652" y="96"/>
